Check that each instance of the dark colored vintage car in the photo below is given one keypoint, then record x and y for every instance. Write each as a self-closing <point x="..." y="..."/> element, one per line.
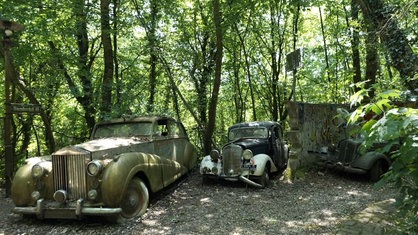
<point x="111" y="175"/>
<point x="347" y="157"/>
<point x="254" y="151"/>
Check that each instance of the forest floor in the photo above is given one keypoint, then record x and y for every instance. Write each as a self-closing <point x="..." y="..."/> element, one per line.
<point x="318" y="203"/>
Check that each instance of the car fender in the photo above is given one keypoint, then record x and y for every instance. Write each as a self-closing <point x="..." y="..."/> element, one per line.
<point x="191" y="152"/>
<point x="209" y="164"/>
<point x="261" y="160"/>
<point x="24" y="184"/>
<point x="118" y="173"/>
<point x="367" y="160"/>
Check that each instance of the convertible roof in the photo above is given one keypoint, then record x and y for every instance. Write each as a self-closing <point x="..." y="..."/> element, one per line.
<point x="266" y="124"/>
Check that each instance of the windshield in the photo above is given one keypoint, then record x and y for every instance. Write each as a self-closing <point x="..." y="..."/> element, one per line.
<point x="124" y="130"/>
<point x="248" y="132"/>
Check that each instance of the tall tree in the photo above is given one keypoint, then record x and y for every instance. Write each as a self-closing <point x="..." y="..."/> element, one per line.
<point x="149" y="21"/>
<point x="355" y="42"/>
<point x="217" y="81"/>
<point x="106" y="98"/>
<point x="401" y="53"/>
<point x="372" y="60"/>
<point x="85" y="61"/>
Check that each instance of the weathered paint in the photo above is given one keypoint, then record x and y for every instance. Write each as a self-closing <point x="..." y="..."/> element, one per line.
<point x="313" y="127"/>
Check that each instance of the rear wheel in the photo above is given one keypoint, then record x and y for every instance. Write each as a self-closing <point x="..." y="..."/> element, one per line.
<point x="135" y="200"/>
<point x="376" y="171"/>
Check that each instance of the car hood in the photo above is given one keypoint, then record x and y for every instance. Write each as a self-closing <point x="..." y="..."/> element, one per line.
<point x="256" y="145"/>
<point x="110" y="147"/>
<point x="249" y="143"/>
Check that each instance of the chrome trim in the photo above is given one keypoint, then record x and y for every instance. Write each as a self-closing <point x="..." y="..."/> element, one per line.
<point x="69" y="174"/>
<point x="250" y="182"/>
<point x="231" y="160"/>
<point x="39" y="210"/>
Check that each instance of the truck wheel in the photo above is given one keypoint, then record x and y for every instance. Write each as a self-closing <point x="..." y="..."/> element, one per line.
<point x="135" y="200"/>
<point x="265" y="178"/>
<point x="376" y="171"/>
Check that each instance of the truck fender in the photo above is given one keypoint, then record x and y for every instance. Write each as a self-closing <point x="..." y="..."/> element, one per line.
<point x="367" y="160"/>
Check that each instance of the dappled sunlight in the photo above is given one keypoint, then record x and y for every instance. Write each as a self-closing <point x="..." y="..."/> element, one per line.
<point x="358" y="193"/>
<point x="205" y="200"/>
<point x="316" y="205"/>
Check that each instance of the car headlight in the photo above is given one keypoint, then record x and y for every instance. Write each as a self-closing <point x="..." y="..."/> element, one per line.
<point x="214" y="154"/>
<point x="92" y="194"/>
<point x="94" y="168"/>
<point x="247" y="154"/>
<point x="37" y="171"/>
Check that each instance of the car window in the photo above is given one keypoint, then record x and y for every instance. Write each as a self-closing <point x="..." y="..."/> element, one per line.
<point x="248" y="132"/>
<point x="123" y="130"/>
<point x="175" y="129"/>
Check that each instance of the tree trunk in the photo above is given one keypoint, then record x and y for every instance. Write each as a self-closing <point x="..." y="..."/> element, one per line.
<point x="248" y="72"/>
<point x="85" y="98"/>
<point x="325" y="50"/>
<point x="355" y="43"/>
<point x="49" y="135"/>
<point x="372" y="62"/>
<point x="217" y="82"/>
<point x="152" y="40"/>
<point x="115" y="52"/>
<point x="403" y="58"/>
<point x="106" y="102"/>
<point x="277" y="41"/>
<point x="274" y="64"/>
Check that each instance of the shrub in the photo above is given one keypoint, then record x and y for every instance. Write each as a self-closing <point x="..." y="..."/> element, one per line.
<point x="396" y="126"/>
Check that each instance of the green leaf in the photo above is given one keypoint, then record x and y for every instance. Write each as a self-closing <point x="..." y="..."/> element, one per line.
<point x="368" y="125"/>
<point x="357" y="97"/>
<point x="389" y="94"/>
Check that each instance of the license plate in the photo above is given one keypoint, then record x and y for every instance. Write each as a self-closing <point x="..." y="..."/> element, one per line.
<point x="250" y="167"/>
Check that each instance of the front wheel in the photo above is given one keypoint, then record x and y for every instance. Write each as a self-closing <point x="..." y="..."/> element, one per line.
<point x="376" y="171"/>
<point x="265" y="178"/>
<point x="135" y="200"/>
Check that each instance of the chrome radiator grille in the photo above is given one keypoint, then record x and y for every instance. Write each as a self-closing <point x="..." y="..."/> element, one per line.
<point x="231" y="155"/>
<point x="69" y="174"/>
<point x="346" y="151"/>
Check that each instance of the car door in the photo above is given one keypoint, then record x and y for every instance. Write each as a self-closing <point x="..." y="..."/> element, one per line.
<point x="167" y="147"/>
<point x="279" y="145"/>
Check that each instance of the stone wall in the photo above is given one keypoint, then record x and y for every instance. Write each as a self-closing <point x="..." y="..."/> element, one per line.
<point x="314" y="127"/>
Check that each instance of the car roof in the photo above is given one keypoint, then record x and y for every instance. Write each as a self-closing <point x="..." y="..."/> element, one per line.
<point x="150" y="118"/>
<point x="266" y="124"/>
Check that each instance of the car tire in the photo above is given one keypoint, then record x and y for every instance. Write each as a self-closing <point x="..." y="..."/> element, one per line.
<point x="265" y="178"/>
<point x="376" y="171"/>
<point x="135" y="200"/>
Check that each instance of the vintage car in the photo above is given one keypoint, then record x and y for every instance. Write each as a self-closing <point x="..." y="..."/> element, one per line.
<point x="347" y="157"/>
<point x="111" y="175"/>
<point x="253" y="152"/>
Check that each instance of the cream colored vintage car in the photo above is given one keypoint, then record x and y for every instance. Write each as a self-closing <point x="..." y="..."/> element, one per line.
<point x="253" y="152"/>
<point x="111" y="175"/>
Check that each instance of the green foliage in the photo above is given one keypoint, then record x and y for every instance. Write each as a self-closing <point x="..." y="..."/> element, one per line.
<point x="257" y="37"/>
<point x="397" y="127"/>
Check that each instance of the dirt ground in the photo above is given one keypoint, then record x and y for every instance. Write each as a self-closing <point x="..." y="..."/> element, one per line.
<point x="318" y="203"/>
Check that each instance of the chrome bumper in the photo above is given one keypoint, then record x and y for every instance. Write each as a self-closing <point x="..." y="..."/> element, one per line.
<point x="44" y="212"/>
<point x="235" y="178"/>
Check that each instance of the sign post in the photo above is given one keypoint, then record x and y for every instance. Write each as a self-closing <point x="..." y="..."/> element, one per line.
<point x="8" y="29"/>
<point x="293" y="62"/>
<point x="25" y="108"/>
